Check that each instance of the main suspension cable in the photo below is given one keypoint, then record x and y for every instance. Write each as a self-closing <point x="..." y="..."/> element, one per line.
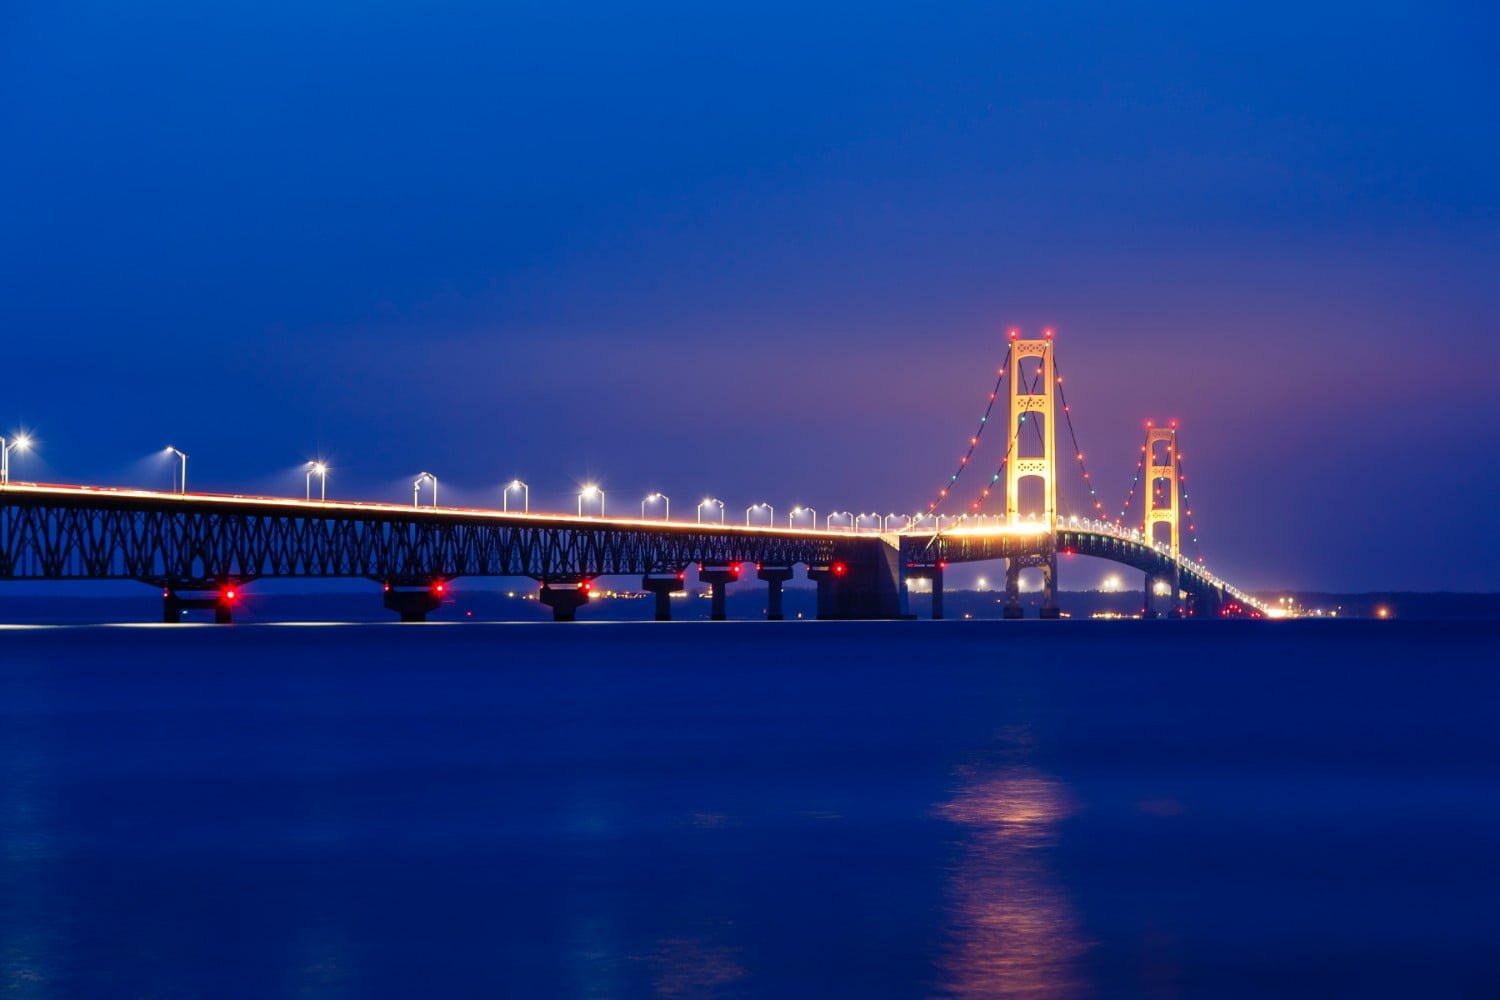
<point x="1088" y="481"/>
<point x="963" y="463"/>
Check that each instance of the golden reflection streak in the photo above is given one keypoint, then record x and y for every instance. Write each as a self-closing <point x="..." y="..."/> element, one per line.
<point x="1011" y="932"/>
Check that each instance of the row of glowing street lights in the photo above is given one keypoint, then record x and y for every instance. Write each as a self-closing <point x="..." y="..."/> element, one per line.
<point x="591" y="495"/>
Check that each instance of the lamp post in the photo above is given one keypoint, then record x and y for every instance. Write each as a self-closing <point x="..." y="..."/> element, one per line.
<point x="828" y="523"/>
<point x="803" y="510"/>
<point x="321" y="471"/>
<point x="666" y="505"/>
<point x="758" y="506"/>
<point x="416" y="489"/>
<point x="18" y="442"/>
<point x="862" y="517"/>
<point x="588" y="493"/>
<point x="516" y="484"/>
<point x="885" y="522"/>
<point x="709" y="501"/>
<point x="180" y="455"/>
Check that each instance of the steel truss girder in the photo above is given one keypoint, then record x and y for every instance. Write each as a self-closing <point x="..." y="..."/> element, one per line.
<point x="104" y="538"/>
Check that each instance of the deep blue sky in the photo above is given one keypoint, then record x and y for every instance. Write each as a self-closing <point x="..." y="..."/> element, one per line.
<point x="769" y="252"/>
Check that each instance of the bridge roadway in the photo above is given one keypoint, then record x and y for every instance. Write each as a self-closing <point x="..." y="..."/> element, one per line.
<point x="199" y="548"/>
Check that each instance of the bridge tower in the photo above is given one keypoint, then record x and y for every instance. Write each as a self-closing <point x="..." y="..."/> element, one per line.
<point x="1160" y="467"/>
<point x="1033" y="401"/>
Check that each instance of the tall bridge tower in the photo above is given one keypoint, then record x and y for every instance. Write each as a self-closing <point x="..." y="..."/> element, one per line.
<point x="1163" y="506"/>
<point x="1032" y="399"/>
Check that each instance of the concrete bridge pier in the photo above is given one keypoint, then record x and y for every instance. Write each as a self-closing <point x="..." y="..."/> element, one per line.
<point x="663" y="586"/>
<point x="414" y="599"/>
<point x="774" y="576"/>
<point x="180" y="597"/>
<point x="1013" y="608"/>
<point x="934" y="573"/>
<point x="825" y="577"/>
<point x="718" y="578"/>
<point x="1173" y="597"/>
<point x="1050" y="611"/>
<point x="565" y="598"/>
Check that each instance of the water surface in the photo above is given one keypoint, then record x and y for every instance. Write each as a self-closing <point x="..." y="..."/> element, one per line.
<point x="1039" y="809"/>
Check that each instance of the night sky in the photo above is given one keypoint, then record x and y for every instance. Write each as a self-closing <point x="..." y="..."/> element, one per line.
<point x="770" y="252"/>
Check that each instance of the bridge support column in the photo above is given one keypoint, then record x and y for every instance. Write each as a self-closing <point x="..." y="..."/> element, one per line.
<point x="414" y="599"/>
<point x="1050" y="610"/>
<point x="219" y="599"/>
<point x="774" y="576"/>
<point x="1013" y="608"/>
<point x="564" y="599"/>
<point x="718" y="578"/>
<point x="933" y="572"/>
<point x="663" y="585"/>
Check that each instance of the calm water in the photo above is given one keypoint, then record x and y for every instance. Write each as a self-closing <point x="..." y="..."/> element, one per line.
<point x="886" y="809"/>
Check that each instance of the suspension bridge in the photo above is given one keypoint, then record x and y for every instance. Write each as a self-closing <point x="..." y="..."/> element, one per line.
<point x="201" y="550"/>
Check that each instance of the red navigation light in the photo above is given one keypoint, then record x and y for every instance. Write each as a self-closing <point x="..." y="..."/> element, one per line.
<point x="229" y="594"/>
<point x="1148" y="423"/>
<point x="942" y="564"/>
<point x="1014" y="333"/>
<point x="839" y="569"/>
<point x="1047" y="334"/>
<point x="386" y="587"/>
<point x="585" y="586"/>
<point x="1173" y="425"/>
<point x="1069" y="552"/>
<point x="439" y="586"/>
<point x="682" y="576"/>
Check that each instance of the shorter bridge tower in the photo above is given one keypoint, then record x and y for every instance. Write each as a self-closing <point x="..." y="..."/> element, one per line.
<point x="1160" y="468"/>
<point x="1034" y="401"/>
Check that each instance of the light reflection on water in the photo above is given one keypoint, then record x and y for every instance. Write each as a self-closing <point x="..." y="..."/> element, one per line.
<point x="1011" y="931"/>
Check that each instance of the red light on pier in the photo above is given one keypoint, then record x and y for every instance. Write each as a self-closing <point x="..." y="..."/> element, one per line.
<point x="229" y="594"/>
<point x="439" y="587"/>
<point x="839" y="569"/>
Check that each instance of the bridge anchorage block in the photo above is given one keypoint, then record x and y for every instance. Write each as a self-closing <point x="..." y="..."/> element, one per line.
<point x="565" y="598"/>
<point x="414" y="599"/>
<point x="220" y="598"/>
<point x="718" y="578"/>
<point x="663" y="585"/>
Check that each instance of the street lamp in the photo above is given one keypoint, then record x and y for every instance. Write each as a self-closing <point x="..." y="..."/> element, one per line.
<point x="666" y="505"/>
<point x="757" y="506"/>
<point x="885" y="522"/>
<point x="174" y="451"/>
<point x="416" y="489"/>
<point x="321" y="471"/>
<point x="828" y="522"/>
<point x="19" y="442"/>
<point x="516" y="484"/>
<point x="709" y="501"/>
<point x="588" y="493"/>
<point x="863" y="517"/>
<point x="803" y="510"/>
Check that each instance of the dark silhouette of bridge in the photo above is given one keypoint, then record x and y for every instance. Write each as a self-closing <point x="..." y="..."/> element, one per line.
<point x="201" y="550"/>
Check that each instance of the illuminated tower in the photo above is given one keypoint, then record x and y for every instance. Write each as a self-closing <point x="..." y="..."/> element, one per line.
<point x="1160" y="470"/>
<point x="1031" y="401"/>
<point x="1028" y="401"/>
